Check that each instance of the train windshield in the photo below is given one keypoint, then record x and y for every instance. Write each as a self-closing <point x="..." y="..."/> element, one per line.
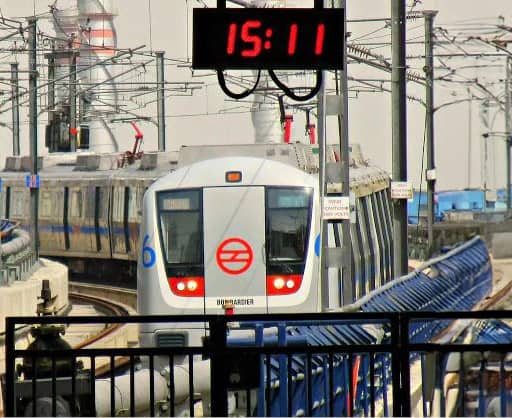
<point x="288" y="211"/>
<point x="181" y="226"/>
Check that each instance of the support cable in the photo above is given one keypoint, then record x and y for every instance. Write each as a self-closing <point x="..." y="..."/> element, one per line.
<point x="289" y="92"/>
<point x="237" y="96"/>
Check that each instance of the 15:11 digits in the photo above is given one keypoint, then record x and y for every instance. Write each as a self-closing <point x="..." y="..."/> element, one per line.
<point x="255" y="43"/>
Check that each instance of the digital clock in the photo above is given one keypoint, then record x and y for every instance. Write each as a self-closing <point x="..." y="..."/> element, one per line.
<point x="250" y="38"/>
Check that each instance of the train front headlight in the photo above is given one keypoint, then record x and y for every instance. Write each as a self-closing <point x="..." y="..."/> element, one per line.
<point x="280" y="285"/>
<point x="187" y="286"/>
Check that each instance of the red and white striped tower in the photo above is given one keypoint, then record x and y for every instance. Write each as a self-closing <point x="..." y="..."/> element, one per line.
<point x="98" y="42"/>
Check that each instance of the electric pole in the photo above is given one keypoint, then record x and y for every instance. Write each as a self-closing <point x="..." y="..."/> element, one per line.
<point x="34" y="191"/>
<point x="72" y="103"/>
<point x="334" y="183"/>
<point x="15" y="110"/>
<point x="50" y="130"/>
<point x="322" y="147"/>
<point x="160" y="98"/>
<point x="346" y="270"/>
<point x="399" y="133"/>
<point x="508" y="125"/>
<point x="429" y="126"/>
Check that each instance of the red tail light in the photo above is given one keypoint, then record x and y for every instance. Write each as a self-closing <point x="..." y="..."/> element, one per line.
<point x="187" y="286"/>
<point x="283" y="284"/>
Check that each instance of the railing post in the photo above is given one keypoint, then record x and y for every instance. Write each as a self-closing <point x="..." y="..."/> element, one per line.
<point x="405" y="373"/>
<point x="218" y="367"/>
<point x="396" y="353"/>
<point x="10" y="360"/>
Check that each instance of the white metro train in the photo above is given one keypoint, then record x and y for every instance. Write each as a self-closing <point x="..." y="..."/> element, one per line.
<point x="241" y="233"/>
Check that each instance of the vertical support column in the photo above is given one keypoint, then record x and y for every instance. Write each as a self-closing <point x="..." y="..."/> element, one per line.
<point x="399" y="133"/>
<point x="508" y="126"/>
<point x="32" y="91"/>
<point x="15" y="110"/>
<point x="348" y="289"/>
<point x="72" y="103"/>
<point x="50" y="131"/>
<point x="470" y="133"/>
<point x="324" y="276"/>
<point x="429" y="125"/>
<point x="160" y="86"/>
<point x="334" y="181"/>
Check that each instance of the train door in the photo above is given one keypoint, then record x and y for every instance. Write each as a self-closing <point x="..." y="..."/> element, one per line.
<point x="234" y="249"/>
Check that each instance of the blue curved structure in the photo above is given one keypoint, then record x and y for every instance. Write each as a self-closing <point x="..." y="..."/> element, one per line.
<point x="6" y="228"/>
<point x="300" y="384"/>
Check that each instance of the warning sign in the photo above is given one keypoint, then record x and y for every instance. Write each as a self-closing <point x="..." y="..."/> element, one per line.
<point x="234" y="256"/>
<point x="336" y="207"/>
<point x="401" y="190"/>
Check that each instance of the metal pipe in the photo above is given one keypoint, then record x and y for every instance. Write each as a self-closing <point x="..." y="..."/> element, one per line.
<point x="122" y="393"/>
<point x="20" y="240"/>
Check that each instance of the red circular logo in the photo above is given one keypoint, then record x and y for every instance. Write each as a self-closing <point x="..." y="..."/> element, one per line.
<point x="234" y="256"/>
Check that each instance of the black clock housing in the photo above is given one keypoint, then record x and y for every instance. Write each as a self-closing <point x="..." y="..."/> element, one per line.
<point x="268" y="38"/>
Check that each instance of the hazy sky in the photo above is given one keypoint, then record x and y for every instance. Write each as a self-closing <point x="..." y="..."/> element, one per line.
<point x="208" y="116"/>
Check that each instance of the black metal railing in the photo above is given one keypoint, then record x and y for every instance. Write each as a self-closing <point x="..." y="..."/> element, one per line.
<point x="342" y="364"/>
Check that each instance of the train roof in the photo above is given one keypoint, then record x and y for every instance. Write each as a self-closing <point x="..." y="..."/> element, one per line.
<point x="364" y="178"/>
<point x="254" y="171"/>
<point x="90" y="165"/>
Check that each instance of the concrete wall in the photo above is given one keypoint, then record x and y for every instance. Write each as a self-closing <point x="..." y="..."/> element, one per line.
<point x="20" y="298"/>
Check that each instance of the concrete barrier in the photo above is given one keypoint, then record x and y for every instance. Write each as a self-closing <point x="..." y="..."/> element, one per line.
<point x="20" y="297"/>
<point x="502" y="245"/>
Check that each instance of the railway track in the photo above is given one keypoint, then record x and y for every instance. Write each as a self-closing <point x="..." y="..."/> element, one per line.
<point x="110" y="303"/>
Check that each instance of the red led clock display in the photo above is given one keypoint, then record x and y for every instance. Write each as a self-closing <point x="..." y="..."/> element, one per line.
<point x="268" y="38"/>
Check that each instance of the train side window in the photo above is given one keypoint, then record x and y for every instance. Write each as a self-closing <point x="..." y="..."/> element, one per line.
<point x="288" y="213"/>
<point x="180" y="225"/>
<point x="133" y="210"/>
<point x="19" y="203"/>
<point x="118" y="203"/>
<point x="90" y="204"/>
<point x="76" y="204"/>
<point x="46" y="200"/>
<point x="103" y="203"/>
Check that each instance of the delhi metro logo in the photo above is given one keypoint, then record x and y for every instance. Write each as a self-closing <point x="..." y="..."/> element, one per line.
<point x="234" y="256"/>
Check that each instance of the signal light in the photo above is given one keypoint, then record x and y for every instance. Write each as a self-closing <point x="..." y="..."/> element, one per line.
<point x="233" y="176"/>
<point x="187" y="286"/>
<point x="286" y="284"/>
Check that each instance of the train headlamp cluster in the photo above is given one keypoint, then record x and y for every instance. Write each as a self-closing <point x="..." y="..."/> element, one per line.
<point x="187" y="286"/>
<point x="286" y="284"/>
<point x="277" y="285"/>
